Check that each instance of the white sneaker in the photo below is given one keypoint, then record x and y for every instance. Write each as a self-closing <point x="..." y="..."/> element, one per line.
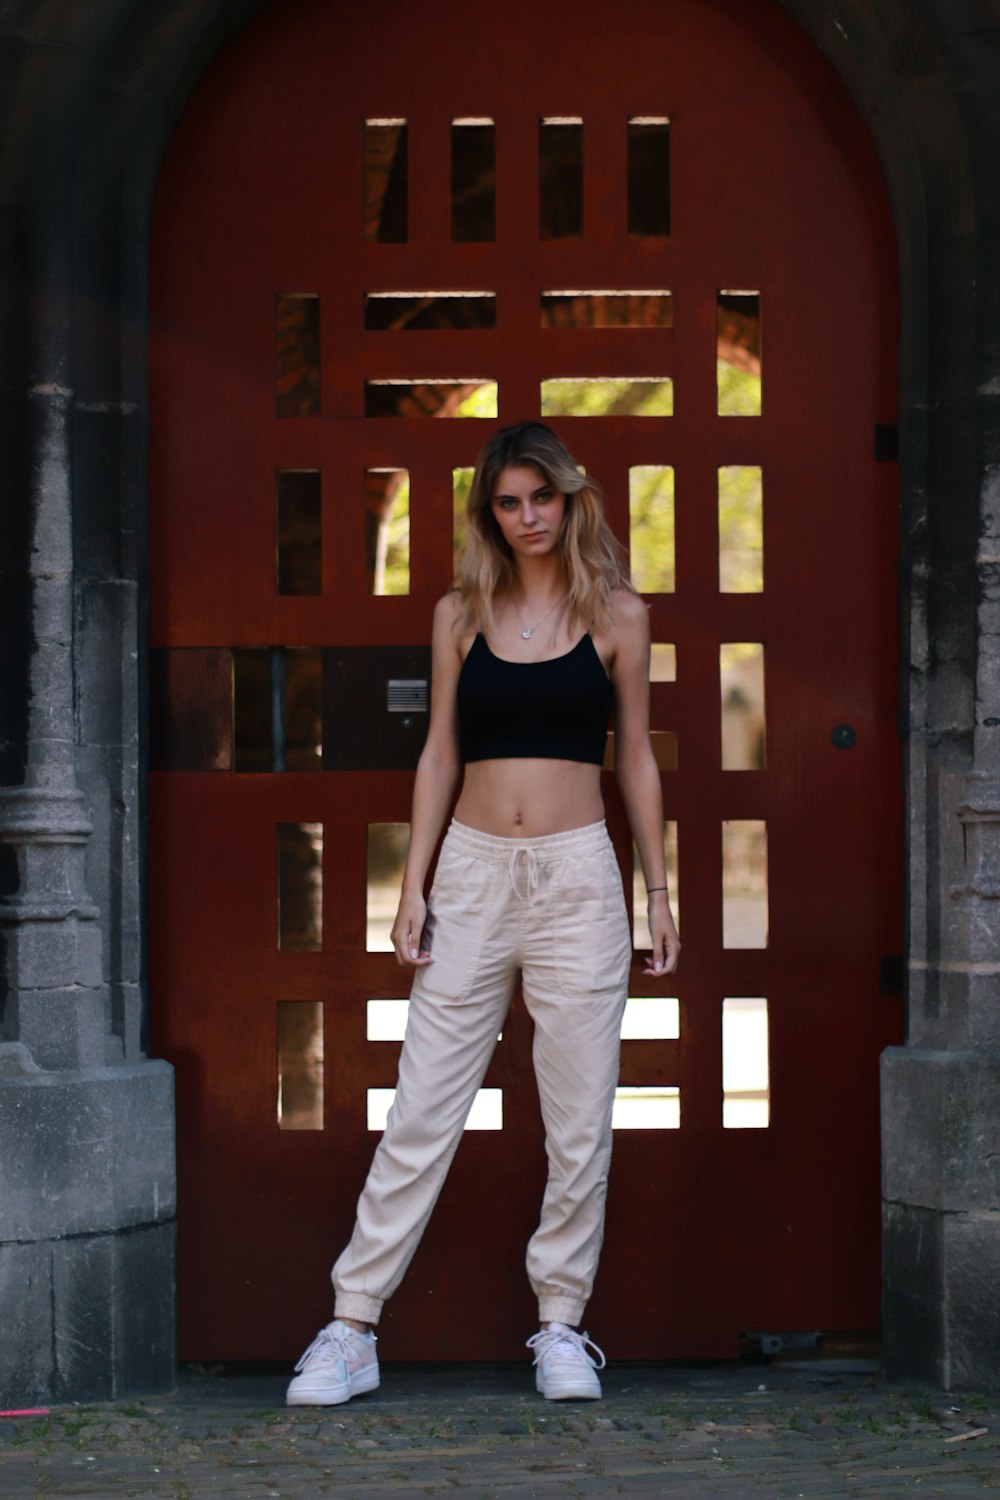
<point x="339" y="1363"/>
<point x="564" y="1371"/>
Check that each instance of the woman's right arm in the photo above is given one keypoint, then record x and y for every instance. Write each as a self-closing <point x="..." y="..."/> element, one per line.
<point x="437" y="776"/>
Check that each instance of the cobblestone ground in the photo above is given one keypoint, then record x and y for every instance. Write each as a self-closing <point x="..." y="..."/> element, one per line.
<point x="827" y="1429"/>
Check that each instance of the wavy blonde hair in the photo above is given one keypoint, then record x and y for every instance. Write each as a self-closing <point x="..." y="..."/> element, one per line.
<point x="592" y="557"/>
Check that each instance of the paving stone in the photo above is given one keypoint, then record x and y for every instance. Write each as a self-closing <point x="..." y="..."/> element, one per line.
<point x="478" y="1434"/>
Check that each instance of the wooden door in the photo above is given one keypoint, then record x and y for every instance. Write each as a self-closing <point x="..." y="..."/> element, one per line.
<point x="378" y="234"/>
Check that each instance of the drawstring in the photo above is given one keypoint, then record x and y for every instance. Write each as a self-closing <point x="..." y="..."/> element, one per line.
<point x="531" y="878"/>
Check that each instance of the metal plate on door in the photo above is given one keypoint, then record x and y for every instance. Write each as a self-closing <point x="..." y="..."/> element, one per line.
<point x="406" y="695"/>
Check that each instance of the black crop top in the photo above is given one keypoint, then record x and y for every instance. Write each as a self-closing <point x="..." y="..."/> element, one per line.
<point x="556" y="709"/>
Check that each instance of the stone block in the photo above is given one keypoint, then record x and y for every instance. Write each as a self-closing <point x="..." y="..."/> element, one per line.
<point x="53" y="618"/>
<point x="26" y="1314"/>
<point x="971" y="1314"/>
<point x="88" y="951"/>
<point x="142" y="1144"/>
<point x="144" y="1324"/>
<point x="64" y="1028"/>
<point x="941" y="1314"/>
<point x="89" y="1318"/>
<point x="41" y="954"/>
<point x="912" y="1260"/>
<point x="87" y="1193"/>
<point x="941" y="1129"/>
<point x="54" y="871"/>
<point x="86" y="1153"/>
<point x="84" y="1303"/>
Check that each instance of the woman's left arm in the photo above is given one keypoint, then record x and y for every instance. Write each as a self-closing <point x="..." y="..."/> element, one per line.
<point x="638" y="774"/>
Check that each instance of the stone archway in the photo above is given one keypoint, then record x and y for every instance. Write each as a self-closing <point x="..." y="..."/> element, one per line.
<point x="98" y="89"/>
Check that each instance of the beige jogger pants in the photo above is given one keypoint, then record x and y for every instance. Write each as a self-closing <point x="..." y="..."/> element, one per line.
<point x="553" y="909"/>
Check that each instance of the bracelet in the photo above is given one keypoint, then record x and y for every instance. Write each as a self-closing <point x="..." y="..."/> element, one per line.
<point x="651" y="888"/>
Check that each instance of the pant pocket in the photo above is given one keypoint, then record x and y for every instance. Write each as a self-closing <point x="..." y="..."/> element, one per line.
<point x="592" y="940"/>
<point x="458" y="913"/>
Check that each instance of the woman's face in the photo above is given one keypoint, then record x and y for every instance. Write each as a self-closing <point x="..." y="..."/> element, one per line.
<point x="528" y="511"/>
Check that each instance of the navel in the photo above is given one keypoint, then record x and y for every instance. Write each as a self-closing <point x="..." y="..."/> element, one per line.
<point x="518" y="820"/>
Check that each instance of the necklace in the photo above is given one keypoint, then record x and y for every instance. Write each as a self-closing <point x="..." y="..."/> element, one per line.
<point x="527" y="631"/>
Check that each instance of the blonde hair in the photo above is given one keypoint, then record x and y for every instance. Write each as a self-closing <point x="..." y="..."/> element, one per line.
<point x="592" y="557"/>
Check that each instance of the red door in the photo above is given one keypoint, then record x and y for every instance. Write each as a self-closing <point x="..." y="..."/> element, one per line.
<point x="378" y="234"/>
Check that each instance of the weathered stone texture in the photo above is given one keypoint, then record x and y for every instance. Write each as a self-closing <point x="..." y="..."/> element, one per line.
<point x="941" y="1129"/>
<point x="63" y="1028"/>
<point x="86" y="1234"/>
<point x="940" y="1301"/>
<point x="87" y="1318"/>
<point x="90" y="1153"/>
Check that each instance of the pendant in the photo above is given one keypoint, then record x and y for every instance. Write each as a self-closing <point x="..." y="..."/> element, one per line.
<point x="527" y="634"/>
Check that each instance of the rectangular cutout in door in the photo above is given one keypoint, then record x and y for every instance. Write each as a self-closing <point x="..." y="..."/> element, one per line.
<point x="251" y="709"/>
<point x="652" y="528"/>
<point x="387" y="531"/>
<point x="473" y="180"/>
<point x="648" y="175"/>
<point x="739" y="366"/>
<point x="402" y="312"/>
<point x="653" y="1108"/>
<point x="743" y="721"/>
<point x="609" y="309"/>
<point x="746" y="1097"/>
<point x="388" y="845"/>
<point x="615" y="396"/>
<point x="662" y="662"/>
<point x="461" y="484"/>
<point x="385" y="1020"/>
<point x="303" y="704"/>
<point x="300" y="1065"/>
<point x="386" y="181"/>
<point x="651" y="1018"/>
<point x="744" y="883"/>
<point x="560" y="177"/>
<point x="462" y="396"/>
<point x="300" y="887"/>
<point x="741" y="529"/>
<point x="640" y="896"/>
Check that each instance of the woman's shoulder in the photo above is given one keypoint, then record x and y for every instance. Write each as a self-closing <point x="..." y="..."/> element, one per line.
<point x="628" y="612"/>
<point x="452" y="629"/>
<point x="448" y="608"/>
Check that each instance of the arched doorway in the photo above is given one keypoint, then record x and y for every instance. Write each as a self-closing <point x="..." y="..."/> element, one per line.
<point x="674" y="241"/>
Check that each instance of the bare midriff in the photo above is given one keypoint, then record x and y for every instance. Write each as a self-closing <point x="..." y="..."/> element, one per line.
<point x="529" y="797"/>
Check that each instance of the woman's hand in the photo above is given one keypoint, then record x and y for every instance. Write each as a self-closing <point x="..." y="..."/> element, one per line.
<point x="666" y="943"/>
<point x="407" y="931"/>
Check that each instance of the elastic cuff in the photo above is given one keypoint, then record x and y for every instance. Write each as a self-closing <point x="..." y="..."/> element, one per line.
<point x="357" y="1305"/>
<point x="560" y="1309"/>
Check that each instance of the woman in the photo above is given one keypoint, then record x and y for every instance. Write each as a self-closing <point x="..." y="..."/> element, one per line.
<point x="542" y="634"/>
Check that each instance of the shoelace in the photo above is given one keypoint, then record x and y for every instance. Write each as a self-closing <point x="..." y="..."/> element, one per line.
<point x="531" y="871"/>
<point x="329" y="1344"/>
<point x="565" y="1343"/>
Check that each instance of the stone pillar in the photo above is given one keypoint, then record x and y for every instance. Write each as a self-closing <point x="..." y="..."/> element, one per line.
<point x="86" y="1140"/>
<point x="941" y="1094"/>
<point x="941" y="1126"/>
